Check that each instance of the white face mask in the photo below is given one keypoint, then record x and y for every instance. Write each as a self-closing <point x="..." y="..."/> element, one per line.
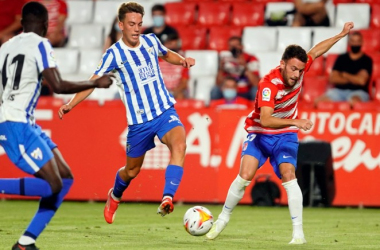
<point x="158" y="21"/>
<point x="229" y="94"/>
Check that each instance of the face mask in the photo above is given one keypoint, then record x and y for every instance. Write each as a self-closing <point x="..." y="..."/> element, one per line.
<point x="116" y="27"/>
<point x="229" y="94"/>
<point x="235" y="52"/>
<point x="158" y="21"/>
<point x="355" y="49"/>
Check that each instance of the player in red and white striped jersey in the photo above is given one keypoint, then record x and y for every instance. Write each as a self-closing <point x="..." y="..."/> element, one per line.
<point x="272" y="128"/>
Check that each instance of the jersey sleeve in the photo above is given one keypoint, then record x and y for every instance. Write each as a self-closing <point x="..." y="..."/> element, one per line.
<point x="308" y="63"/>
<point x="266" y="94"/>
<point x="162" y="50"/>
<point x="45" y="56"/>
<point x="106" y="64"/>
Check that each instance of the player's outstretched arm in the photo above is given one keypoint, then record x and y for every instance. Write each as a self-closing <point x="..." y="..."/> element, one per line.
<point x="269" y="121"/>
<point x="322" y="47"/>
<point x="176" y="59"/>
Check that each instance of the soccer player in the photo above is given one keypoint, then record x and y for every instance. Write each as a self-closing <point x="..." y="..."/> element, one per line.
<point x="24" y="60"/>
<point x="148" y="103"/>
<point x="272" y="128"/>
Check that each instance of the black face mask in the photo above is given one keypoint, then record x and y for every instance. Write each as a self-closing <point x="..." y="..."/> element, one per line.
<point x="356" y="49"/>
<point x="235" y="52"/>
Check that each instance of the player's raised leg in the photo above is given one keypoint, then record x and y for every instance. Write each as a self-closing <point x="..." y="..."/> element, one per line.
<point x="295" y="200"/>
<point x="175" y="139"/>
<point x="248" y="168"/>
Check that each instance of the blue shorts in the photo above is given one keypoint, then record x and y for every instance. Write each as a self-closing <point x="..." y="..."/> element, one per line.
<point x="279" y="148"/>
<point x="26" y="145"/>
<point x="140" y="137"/>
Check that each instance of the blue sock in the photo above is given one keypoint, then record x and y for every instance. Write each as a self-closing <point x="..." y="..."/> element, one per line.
<point x="26" y="186"/>
<point x="48" y="207"/>
<point x="173" y="176"/>
<point x="120" y="186"/>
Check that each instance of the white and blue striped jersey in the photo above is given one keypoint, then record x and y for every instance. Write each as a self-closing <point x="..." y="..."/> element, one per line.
<point x="141" y="85"/>
<point x="22" y="60"/>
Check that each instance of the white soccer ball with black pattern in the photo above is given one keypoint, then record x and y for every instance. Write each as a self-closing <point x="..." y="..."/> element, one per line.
<point x="198" y="220"/>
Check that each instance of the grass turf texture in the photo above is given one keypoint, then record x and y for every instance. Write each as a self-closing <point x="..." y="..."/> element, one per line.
<point x="137" y="226"/>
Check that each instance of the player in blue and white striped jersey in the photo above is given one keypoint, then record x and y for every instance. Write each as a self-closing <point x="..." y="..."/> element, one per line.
<point x="149" y="105"/>
<point x="24" y="60"/>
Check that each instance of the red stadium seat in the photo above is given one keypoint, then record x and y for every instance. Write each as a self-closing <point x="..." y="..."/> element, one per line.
<point x="342" y="1"/>
<point x="313" y="87"/>
<point x="213" y="14"/>
<point x="270" y="1"/>
<point x="330" y="60"/>
<point x="377" y="89"/>
<point x="367" y="1"/>
<point x="376" y="66"/>
<point x="192" y="37"/>
<point x="371" y="40"/>
<point x="317" y="67"/>
<point x="218" y="37"/>
<point x="248" y="14"/>
<point x="341" y="106"/>
<point x="234" y="1"/>
<point x="375" y="16"/>
<point x="367" y="106"/>
<point x="179" y="13"/>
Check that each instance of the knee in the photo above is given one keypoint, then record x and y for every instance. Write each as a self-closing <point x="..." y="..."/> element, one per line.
<point x="132" y="172"/>
<point x="179" y="148"/>
<point x="288" y="175"/>
<point x="56" y="186"/>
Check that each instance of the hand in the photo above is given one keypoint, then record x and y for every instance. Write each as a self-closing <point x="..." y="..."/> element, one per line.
<point x="304" y="124"/>
<point x="347" y="27"/>
<point x="105" y="81"/>
<point x="187" y="62"/>
<point x="64" y="109"/>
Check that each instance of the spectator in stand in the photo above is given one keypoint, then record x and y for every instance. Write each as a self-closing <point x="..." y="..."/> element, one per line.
<point x="114" y="35"/>
<point x="175" y="78"/>
<point x="242" y="66"/>
<point x="230" y="98"/>
<point x="351" y="74"/>
<point x="310" y="13"/>
<point x="10" y="21"/>
<point x="57" y="11"/>
<point x="159" y="28"/>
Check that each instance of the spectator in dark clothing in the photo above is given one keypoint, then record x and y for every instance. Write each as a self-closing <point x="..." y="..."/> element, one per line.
<point x="310" y="13"/>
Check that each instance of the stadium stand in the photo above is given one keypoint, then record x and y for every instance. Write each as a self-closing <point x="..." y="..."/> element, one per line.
<point x="213" y="13"/>
<point x="80" y="12"/>
<point x="247" y="14"/>
<point x="294" y="35"/>
<point x="357" y="13"/>
<point x="267" y="39"/>
<point x="375" y="15"/>
<point x="314" y="86"/>
<point x="218" y="37"/>
<point x="321" y="33"/>
<point x="180" y="13"/>
<point x="86" y="36"/>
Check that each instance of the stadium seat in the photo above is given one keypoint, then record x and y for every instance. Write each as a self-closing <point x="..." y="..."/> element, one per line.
<point x="329" y="64"/>
<point x="367" y="106"/>
<point x="322" y="33"/>
<point x="89" y="36"/>
<point x="375" y="15"/>
<point x="343" y="1"/>
<point x="193" y="38"/>
<point x="180" y="13"/>
<point x="218" y="36"/>
<point x="377" y="89"/>
<point x="371" y="40"/>
<point x="331" y="12"/>
<point x="313" y="87"/>
<point x="317" y="67"/>
<point x="207" y="62"/>
<point x="327" y="105"/>
<point x="89" y="61"/>
<point x="79" y="12"/>
<point x="248" y="14"/>
<point x="268" y="61"/>
<point x="359" y="13"/>
<point x="293" y="35"/>
<point x="259" y="39"/>
<point x="211" y="14"/>
<point x="105" y="11"/>
<point x="376" y="66"/>
<point x="368" y="1"/>
<point x="103" y="95"/>
<point x="201" y="87"/>
<point x="279" y="6"/>
<point x="67" y="60"/>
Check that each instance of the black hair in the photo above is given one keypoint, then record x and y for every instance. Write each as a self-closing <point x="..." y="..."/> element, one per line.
<point x="229" y="78"/>
<point x="294" y="51"/>
<point x="235" y="38"/>
<point x="33" y="12"/>
<point x="129" y="7"/>
<point x="159" y="7"/>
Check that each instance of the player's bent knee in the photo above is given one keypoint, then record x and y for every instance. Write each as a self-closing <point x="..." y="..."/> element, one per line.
<point x="288" y="176"/>
<point x="56" y="186"/>
<point x="132" y="173"/>
<point x="179" y="148"/>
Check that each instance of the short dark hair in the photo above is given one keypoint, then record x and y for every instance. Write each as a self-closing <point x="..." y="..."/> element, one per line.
<point x="159" y="7"/>
<point x="34" y="12"/>
<point x="129" y="7"/>
<point x="235" y="38"/>
<point x="356" y="33"/>
<point x="229" y="78"/>
<point x="294" y="51"/>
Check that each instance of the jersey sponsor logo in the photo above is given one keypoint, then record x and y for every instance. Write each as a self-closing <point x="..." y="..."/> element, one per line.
<point x="266" y="94"/>
<point x="52" y="55"/>
<point x="140" y="111"/>
<point x="3" y="138"/>
<point x="174" y="118"/>
<point x="37" y="154"/>
<point x="146" y="72"/>
<point x="150" y="51"/>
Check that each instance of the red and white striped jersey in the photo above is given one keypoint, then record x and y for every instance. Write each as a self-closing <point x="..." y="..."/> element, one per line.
<point x="273" y="93"/>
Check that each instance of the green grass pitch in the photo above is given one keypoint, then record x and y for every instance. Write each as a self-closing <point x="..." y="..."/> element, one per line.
<point x="80" y="225"/>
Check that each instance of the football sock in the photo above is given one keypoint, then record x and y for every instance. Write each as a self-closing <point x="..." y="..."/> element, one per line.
<point x="26" y="186"/>
<point x="295" y="206"/>
<point x="173" y="176"/>
<point x="235" y="193"/>
<point x="119" y="186"/>
<point x="48" y="207"/>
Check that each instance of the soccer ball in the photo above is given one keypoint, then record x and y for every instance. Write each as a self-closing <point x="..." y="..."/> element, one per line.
<point x="198" y="220"/>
